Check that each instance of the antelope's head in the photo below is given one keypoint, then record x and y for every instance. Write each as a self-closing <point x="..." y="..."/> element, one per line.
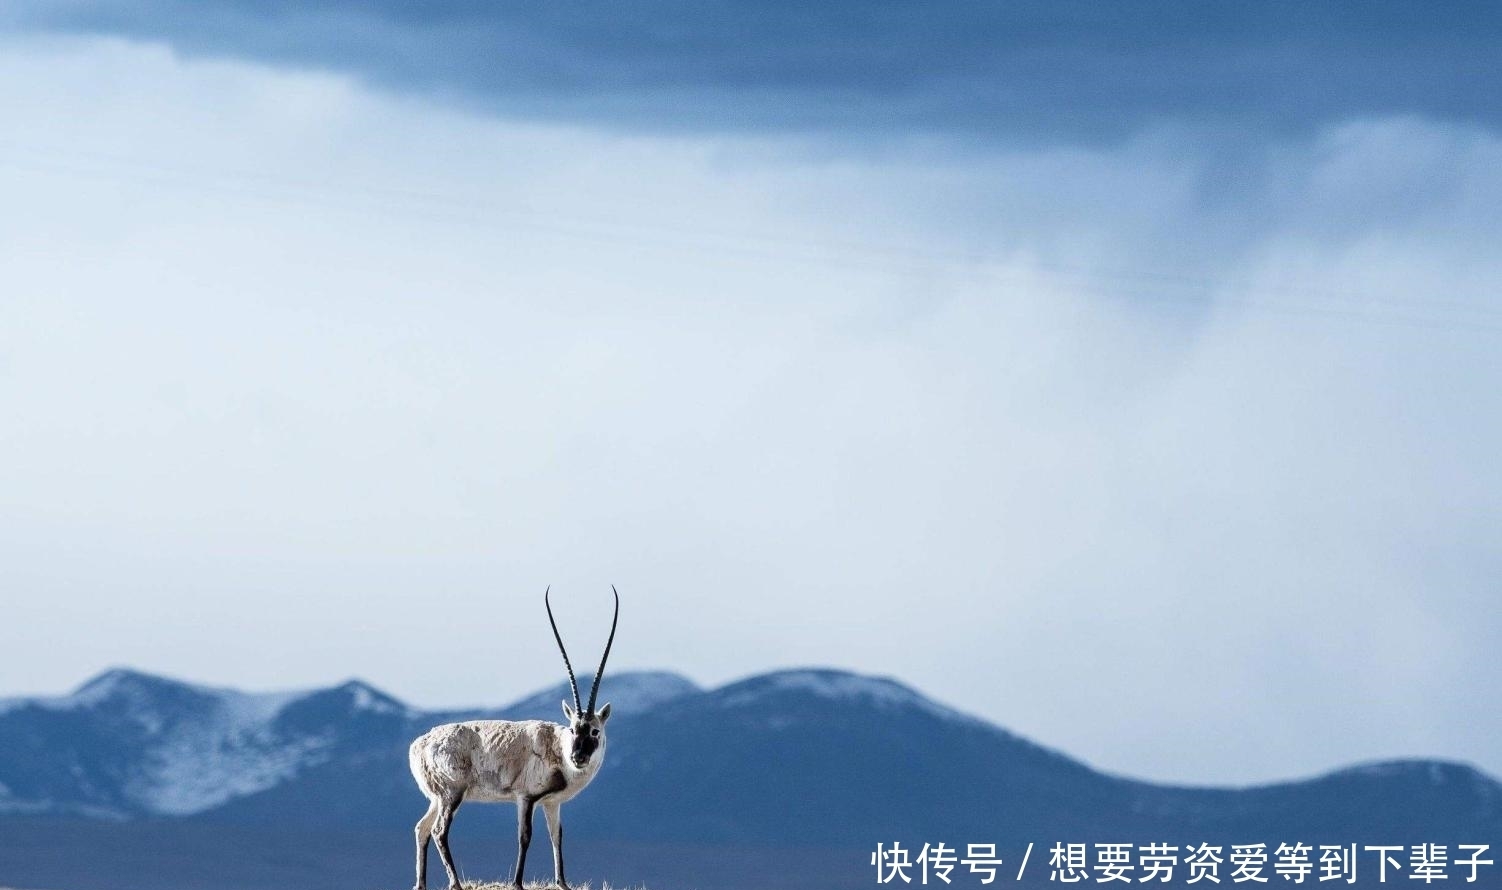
<point x="586" y="736"/>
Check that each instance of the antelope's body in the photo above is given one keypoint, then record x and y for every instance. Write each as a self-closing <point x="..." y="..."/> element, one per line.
<point x="496" y="761"/>
<point x="529" y="762"/>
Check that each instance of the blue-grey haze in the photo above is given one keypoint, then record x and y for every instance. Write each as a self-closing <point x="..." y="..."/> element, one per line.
<point x="1126" y="373"/>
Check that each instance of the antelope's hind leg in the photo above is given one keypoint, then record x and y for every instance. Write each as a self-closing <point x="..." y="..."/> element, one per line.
<point x="445" y="821"/>
<point x="424" y="832"/>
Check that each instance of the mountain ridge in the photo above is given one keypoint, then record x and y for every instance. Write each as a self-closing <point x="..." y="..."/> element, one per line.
<point x="804" y="759"/>
<point x="304" y="713"/>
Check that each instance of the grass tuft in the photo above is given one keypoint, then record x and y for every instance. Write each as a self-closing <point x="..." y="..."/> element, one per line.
<point x="533" y="886"/>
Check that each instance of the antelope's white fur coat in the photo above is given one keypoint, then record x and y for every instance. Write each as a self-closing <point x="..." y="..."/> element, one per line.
<point x="495" y="761"/>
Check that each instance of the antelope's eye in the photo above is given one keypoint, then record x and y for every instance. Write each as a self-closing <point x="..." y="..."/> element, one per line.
<point x="595" y="733"/>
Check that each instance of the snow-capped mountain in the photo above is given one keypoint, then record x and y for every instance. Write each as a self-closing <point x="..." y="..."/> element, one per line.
<point x="128" y="744"/>
<point x="794" y="759"/>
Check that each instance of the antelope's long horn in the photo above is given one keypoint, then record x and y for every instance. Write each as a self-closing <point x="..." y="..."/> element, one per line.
<point x="595" y="689"/>
<point x="573" y="684"/>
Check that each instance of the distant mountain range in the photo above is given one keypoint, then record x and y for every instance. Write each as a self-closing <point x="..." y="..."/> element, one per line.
<point x="788" y="779"/>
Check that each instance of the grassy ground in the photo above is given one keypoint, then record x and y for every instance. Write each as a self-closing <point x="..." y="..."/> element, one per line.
<point x="535" y="885"/>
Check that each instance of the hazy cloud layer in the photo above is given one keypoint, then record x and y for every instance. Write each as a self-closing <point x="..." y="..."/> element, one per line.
<point x="1009" y="71"/>
<point x="1177" y="453"/>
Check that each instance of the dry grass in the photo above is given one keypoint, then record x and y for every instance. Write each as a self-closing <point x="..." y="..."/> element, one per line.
<point x="533" y="885"/>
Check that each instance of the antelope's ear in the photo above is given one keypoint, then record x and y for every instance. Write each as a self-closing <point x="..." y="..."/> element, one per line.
<point x="605" y="713"/>
<point x="568" y="711"/>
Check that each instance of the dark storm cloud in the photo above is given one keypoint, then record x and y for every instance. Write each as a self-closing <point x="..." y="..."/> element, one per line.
<point x="1012" y="71"/>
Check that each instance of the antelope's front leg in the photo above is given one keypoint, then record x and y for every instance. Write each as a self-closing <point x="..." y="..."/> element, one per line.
<point x="555" y="834"/>
<point x="523" y="836"/>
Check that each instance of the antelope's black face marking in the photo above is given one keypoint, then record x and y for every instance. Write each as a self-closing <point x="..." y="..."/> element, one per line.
<point x="588" y="734"/>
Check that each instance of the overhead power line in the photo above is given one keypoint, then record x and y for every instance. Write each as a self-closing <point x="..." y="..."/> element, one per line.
<point x="1146" y="285"/>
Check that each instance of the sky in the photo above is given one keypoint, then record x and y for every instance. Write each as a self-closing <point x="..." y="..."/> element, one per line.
<point x="1125" y="375"/>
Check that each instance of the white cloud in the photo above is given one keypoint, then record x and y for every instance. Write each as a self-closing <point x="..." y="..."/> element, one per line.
<point x="1186" y="472"/>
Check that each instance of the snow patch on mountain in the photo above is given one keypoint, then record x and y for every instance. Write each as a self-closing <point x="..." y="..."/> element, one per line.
<point x="109" y="686"/>
<point x="642" y="690"/>
<point x="629" y="692"/>
<point x="244" y="709"/>
<point x="229" y="753"/>
<point x="192" y="748"/>
<point x="835" y="685"/>
<point x="194" y="773"/>
<point x="364" y="697"/>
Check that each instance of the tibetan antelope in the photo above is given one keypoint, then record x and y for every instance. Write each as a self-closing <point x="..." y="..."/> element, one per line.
<point x="531" y="762"/>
